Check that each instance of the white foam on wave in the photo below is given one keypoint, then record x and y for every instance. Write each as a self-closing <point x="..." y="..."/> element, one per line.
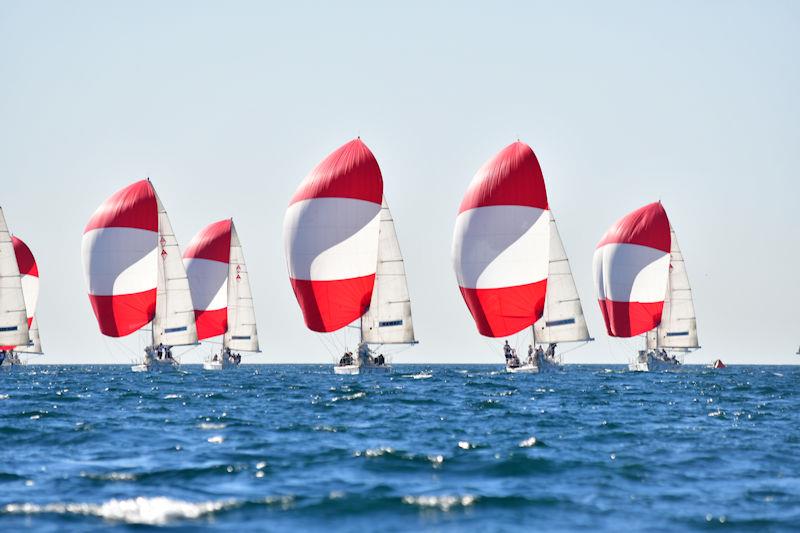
<point x="148" y="511"/>
<point x="445" y="503"/>
<point x="528" y="443"/>
<point x="172" y="396"/>
<point x="4" y="396"/>
<point x="210" y="425"/>
<point x="421" y="375"/>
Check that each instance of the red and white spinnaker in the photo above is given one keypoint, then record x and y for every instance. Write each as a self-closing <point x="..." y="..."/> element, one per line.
<point x="631" y="271"/>
<point x="134" y="270"/>
<point x="220" y="285"/>
<point x="330" y="234"/>
<point x="501" y="243"/>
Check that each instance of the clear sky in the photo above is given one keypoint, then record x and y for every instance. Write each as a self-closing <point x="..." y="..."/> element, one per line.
<point x="228" y="105"/>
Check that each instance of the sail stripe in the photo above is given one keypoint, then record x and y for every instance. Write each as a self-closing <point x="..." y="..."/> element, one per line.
<point x="492" y="246"/>
<point x="501" y="243"/>
<point x="330" y="233"/>
<point x="351" y="171"/>
<point x="631" y="268"/>
<point x="212" y="242"/>
<point x="132" y="207"/>
<point x="122" y="314"/>
<point x="329" y="305"/>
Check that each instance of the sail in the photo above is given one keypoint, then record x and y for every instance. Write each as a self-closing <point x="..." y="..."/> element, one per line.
<point x="34" y="345"/>
<point x="242" y="334"/>
<point x="678" y="328"/>
<point x="330" y="234"/>
<point x="388" y="320"/>
<point x="501" y="243"/>
<point x="562" y="320"/>
<point x="631" y="267"/>
<point x="173" y="324"/>
<point x="13" y="317"/>
<point x="120" y="259"/>
<point x="29" y="271"/>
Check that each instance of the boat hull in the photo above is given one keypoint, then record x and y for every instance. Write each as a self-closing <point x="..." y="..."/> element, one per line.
<point x="648" y="363"/>
<point x="218" y="365"/>
<point x="11" y="360"/>
<point x="523" y="369"/>
<point x="354" y="370"/>
<point x="156" y="366"/>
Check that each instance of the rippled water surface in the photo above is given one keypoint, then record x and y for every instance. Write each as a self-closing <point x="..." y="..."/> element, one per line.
<point x="439" y="447"/>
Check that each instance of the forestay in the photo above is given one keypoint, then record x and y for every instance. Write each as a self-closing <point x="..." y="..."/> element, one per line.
<point x="563" y="319"/>
<point x="13" y="317"/>
<point x="388" y="320"/>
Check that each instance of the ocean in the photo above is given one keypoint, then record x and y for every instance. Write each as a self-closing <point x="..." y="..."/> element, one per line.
<point x="441" y="448"/>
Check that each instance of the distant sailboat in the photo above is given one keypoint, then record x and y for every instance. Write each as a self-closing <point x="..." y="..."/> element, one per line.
<point x="332" y="234"/>
<point x="562" y="319"/>
<point x="28" y="277"/>
<point x="501" y="248"/>
<point x="135" y="274"/>
<point x="642" y="287"/>
<point x="223" y="300"/>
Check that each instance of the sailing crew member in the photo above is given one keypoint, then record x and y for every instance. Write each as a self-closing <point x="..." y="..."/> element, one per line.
<point x="507" y="350"/>
<point x="3" y="354"/>
<point x="530" y="354"/>
<point x="539" y="354"/>
<point x="551" y="351"/>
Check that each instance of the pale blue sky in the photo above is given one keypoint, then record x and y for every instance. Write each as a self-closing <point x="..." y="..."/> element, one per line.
<point x="227" y="106"/>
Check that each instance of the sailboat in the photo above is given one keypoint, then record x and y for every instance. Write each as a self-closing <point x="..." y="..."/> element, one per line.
<point x="135" y="274"/>
<point x="562" y="319"/>
<point x="643" y="288"/>
<point x="501" y="248"/>
<point x="332" y="236"/>
<point x="220" y="285"/>
<point x="14" y="332"/>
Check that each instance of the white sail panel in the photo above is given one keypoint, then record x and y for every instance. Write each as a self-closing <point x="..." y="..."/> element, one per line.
<point x="678" y="328"/>
<point x="35" y="344"/>
<point x="388" y="320"/>
<point x="174" y="323"/>
<point x="563" y="319"/>
<point x="13" y="317"/>
<point x="242" y="334"/>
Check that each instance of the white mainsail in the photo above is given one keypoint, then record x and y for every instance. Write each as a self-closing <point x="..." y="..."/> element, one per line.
<point x="241" y="334"/>
<point x="562" y="320"/>
<point x="678" y="328"/>
<point x="174" y="323"/>
<point x="34" y="346"/>
<point x="388" y="320"/>
<point x="13" y="316"/>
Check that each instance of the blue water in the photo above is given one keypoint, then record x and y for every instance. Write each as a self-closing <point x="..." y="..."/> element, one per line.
<point x="444" y="448"/>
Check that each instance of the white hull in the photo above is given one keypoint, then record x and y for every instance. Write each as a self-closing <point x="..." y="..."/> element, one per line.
<point x="219" y="365"/>
<point x="156" y="366"/>
<point x="353" y="370"/>
<point x="648" y="363"/>
<point x="523" y="369"/>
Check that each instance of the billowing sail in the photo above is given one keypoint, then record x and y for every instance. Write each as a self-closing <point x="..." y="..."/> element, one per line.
<point x="678" y="328"/>
<point x="562" y="320"/>
<point x="29" y="271"/>
<point x="133" y="268"/>
<point x="631" y="267"/>
<point x="501" y="243"/>
<point x="330" y="235"/>
<point x="388" y="320"/>
<point x="173" y="324"/>
<point x="220" y="287"/>
<point x="13" y="316"/>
